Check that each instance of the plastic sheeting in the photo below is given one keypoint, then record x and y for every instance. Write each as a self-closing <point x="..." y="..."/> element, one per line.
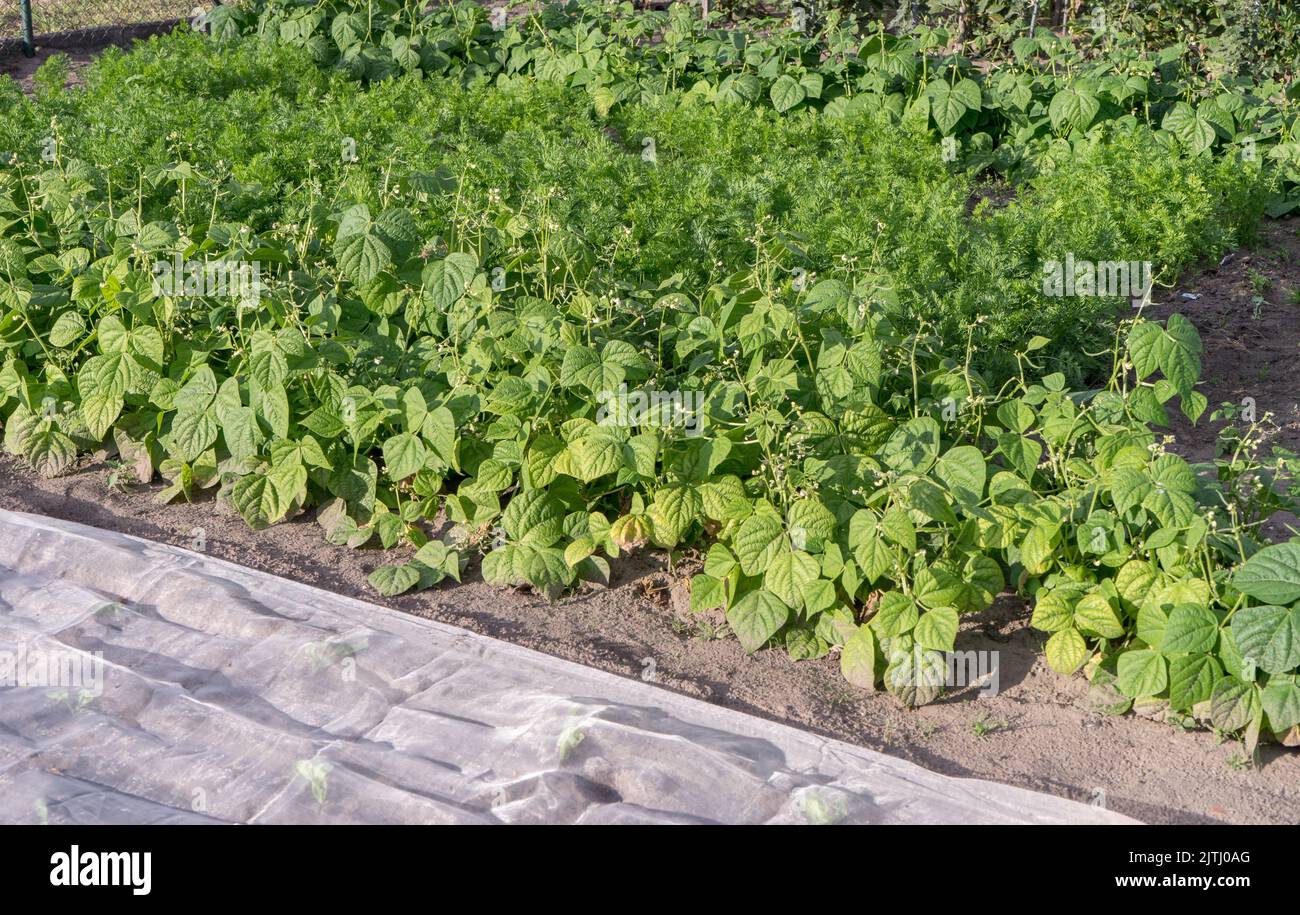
<point x="228" y="695"/>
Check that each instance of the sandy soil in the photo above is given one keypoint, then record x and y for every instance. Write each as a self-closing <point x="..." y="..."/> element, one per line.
<point x="1037" y="732"/>
<point x="1248" y="314"/>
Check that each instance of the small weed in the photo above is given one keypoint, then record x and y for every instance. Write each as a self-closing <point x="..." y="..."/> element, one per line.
<point x="121" y="477"/>
<point x="984" y="725"/>
<point x="1259" y="282"/>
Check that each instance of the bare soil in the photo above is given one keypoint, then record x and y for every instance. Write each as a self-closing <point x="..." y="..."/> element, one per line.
<point x="1247" y="309"/>
<point x="14" y="64"/>
<point x="1036" y="733"/>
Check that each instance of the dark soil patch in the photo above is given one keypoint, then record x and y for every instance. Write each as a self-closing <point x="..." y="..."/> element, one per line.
<point x="22" y="68"/>
<point x="80" y="47"/>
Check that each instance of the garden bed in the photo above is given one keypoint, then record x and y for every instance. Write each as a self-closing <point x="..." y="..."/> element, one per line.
<point x="399" y="384"/>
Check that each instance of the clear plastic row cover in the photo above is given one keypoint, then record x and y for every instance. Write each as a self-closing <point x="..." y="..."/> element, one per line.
<point x="143" y="683"/>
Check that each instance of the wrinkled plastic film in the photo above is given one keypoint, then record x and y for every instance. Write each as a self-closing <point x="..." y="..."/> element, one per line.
<point x="228" y="695"/>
